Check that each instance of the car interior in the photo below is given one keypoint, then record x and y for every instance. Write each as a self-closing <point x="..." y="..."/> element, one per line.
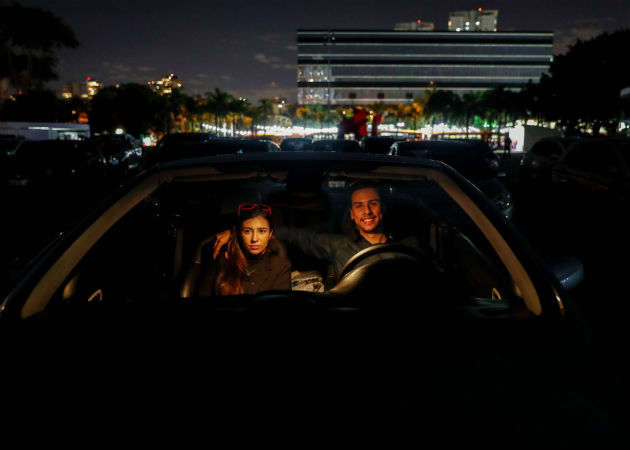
<point x="143" y="257"/>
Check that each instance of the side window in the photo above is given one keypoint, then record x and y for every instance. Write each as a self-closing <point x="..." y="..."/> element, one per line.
<point x="131" y="262"/>
<point x="597" y="158"/>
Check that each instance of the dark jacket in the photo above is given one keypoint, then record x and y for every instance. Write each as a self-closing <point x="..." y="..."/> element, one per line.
<point x="337" y="249"/>
<point x="266" y="272"/>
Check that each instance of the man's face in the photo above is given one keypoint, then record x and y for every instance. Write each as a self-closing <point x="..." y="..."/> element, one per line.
<point x="366" y="210"/>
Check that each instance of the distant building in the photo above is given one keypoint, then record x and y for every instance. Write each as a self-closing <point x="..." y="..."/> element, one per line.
<point x="474" y="20"/>
<point x="358" y="67"/>
<point x="45" y="130"/>
<point x="83" y="89"/>
<point x="280" y="105"/>
<point x="166" y="84"/>
<point x="418" y="25"/>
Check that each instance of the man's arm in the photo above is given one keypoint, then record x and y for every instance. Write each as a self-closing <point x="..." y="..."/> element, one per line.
<point x="320" y="245"/>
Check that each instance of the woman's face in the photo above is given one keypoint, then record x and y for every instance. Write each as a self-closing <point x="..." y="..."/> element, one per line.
<point x="255" y="235"/>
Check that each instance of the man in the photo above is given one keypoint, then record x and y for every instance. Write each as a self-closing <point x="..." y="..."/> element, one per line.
<point x="507" y="145"/>
<point x="367" y="215"/>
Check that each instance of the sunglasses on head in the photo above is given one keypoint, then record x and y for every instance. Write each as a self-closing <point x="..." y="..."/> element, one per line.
<point x="251" y="206"/>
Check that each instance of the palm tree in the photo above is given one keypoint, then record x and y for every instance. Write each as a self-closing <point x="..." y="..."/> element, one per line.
<point x="444" y="105"/>
<point x="239" y="108"/>
<point x="219" y="103"/>
<point x="266" y="110"/>
<point x="416" y="112"/>
<point x="471" y="103"/>
<point x="302" y="114"/>
<point x="400" y="112"/>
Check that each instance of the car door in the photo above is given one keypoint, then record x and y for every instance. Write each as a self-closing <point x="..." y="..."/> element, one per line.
<point x="593" y="167"/>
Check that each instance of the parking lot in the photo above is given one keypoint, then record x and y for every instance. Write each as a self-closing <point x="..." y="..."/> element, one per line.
<point x="556" y="226"/>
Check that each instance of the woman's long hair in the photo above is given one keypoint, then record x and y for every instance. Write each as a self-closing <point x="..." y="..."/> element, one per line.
<point x="230" y="280"/>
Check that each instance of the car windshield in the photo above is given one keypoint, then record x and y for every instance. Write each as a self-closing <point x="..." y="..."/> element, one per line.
<point x="145" y="256"/>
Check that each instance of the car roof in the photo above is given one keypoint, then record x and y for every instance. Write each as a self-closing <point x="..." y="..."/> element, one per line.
<point x="185" y="137"/>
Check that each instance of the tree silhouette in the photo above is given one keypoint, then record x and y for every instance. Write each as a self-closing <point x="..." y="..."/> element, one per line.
<point x="220" y="104"/>
<point x="582" y="89"/>
<point x="29" y="40"/>
<point x="133" y="107"/>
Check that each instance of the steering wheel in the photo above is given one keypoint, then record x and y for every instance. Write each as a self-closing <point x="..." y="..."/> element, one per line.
<point x="377" y="249"/>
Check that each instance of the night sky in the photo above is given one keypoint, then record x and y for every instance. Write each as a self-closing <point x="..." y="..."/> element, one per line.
<point x="248" y="47"/>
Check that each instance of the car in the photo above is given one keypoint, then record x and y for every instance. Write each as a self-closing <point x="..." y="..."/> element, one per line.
<point x="596" y="169"/>
<point x="466" y="158"/>
<point x="49" y="164"/>
<point x="213" y="146"/>
<point x="122" y="151"/>
<point x="7" y="147"/>
<point x="536" y="164"/>
<point x="489" y="155"/>
<point x="468" y="341"/>
<point x="48" y="184"/>
<point x="290" y="144"/>
<point x="335" y="145"/>
<point x="8" y="144"/>
<point x="377" y="144"/>
<point x="172" y="140"/>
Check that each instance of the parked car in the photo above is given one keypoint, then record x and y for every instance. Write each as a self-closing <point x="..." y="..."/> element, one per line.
<point x="7" y="147"/>
<point x="467" y="159"/>
<point x="123" y="152"/>
<point x="51" y="164"/>
<point x="171" y="141"/>
<point x="489" y="155"/>
<point x="48" y="185"/>
<point x="295" y="144"/>
<point x="597" y="169"/>
<point x="8" y="144"/>
<point x="214" y="146"/>
<point x="377" y="144"/>
<point x="335" y="145"/>
<point x="469" y="341"/>
<point x="536" y="164"/>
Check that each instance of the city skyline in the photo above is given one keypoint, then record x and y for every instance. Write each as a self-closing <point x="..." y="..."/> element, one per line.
<point x="249" y="48"/>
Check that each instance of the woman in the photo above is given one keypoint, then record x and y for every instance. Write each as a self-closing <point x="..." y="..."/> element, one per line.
<point x="251" y="263"/>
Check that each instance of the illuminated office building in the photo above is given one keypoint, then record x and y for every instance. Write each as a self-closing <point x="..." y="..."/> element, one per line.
<point x="475" y="20"/>
<point x="83" y="89"/>
<point x="346" y="67"/>
<point x="166" y="84"/>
